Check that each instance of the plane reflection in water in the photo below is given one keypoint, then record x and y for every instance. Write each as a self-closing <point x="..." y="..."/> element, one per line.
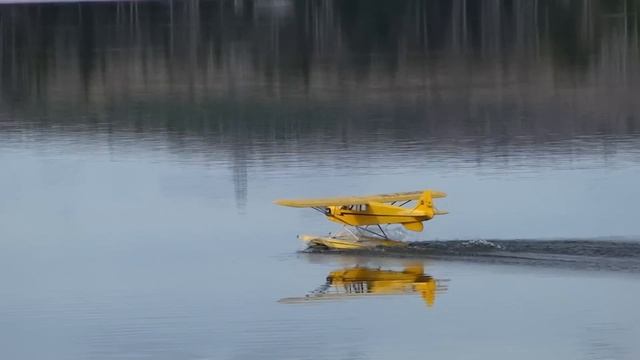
<point x="361" y="281"/>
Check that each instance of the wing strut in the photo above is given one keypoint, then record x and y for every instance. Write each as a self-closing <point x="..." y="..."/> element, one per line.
<point x="384" y="235"/>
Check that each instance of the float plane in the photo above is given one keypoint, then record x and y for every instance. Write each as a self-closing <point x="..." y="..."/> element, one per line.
<point x="366" y="214"/>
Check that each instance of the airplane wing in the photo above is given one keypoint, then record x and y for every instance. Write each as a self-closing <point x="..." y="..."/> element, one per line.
<point x="357" y="200"/>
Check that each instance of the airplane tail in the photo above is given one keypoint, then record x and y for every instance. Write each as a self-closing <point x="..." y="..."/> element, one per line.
<point x="426" y="202"/>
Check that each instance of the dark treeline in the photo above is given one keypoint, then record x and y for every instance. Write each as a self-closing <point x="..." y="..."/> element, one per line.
<point x="440" y="68"/>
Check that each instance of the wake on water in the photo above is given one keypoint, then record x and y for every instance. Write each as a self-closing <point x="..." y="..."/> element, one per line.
<point x="596" y="254"/>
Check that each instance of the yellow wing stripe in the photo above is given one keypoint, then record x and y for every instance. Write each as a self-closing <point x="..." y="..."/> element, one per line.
<point x="358" y="200"/>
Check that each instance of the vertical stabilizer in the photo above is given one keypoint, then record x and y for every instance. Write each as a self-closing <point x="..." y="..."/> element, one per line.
<point x="425" y="203"/>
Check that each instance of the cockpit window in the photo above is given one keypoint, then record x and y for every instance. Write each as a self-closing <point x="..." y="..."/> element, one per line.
<point x="359" y="207"/>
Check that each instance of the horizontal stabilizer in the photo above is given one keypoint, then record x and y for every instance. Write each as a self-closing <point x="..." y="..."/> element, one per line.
<point x="414" y="226"/>
<point x="438" y="194"/>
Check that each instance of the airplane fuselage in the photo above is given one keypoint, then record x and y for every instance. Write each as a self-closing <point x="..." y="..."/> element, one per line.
<point x="380" y="213"/>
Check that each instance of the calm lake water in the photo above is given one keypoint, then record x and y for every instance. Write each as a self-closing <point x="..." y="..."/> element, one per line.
<point x="142" y="145"/>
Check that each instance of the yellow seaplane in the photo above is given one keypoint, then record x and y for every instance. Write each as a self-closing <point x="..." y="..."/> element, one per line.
<point x="409" y="209"/>
<point x="364" y="281"/>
